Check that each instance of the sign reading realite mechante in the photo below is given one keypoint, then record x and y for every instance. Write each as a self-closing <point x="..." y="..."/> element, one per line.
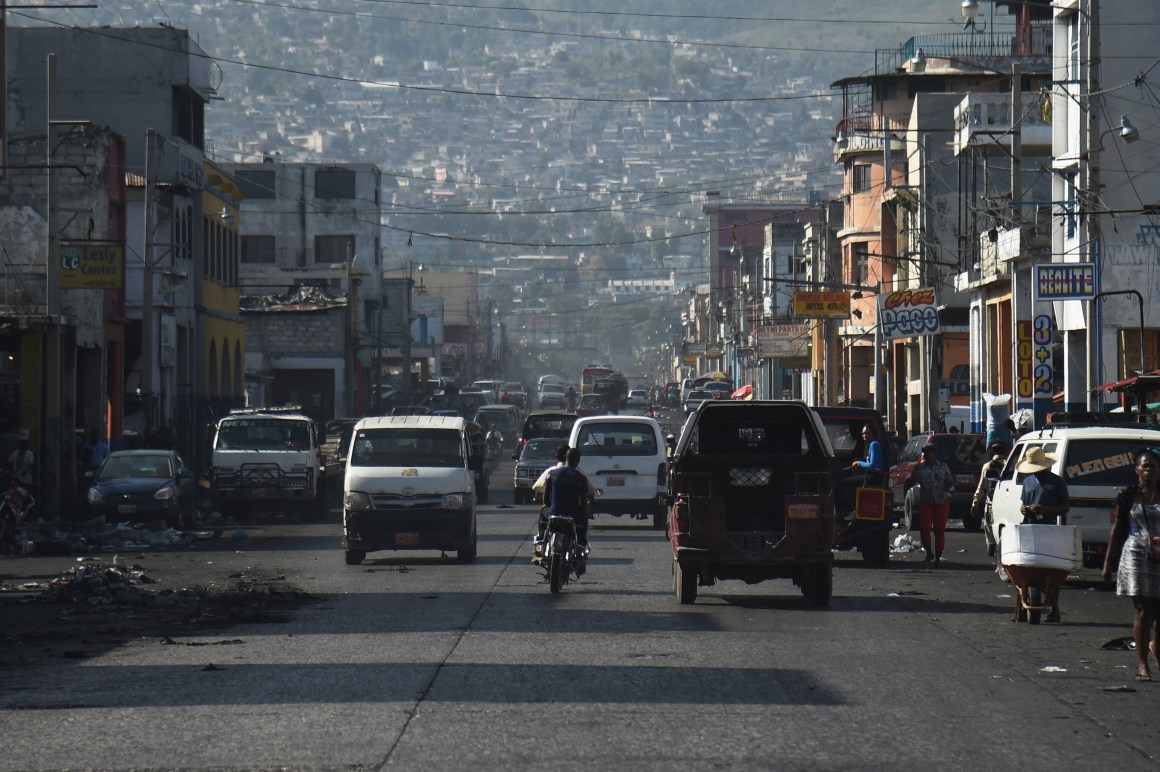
<point x="1066" y="281"/>
<point x="92" y="265"/>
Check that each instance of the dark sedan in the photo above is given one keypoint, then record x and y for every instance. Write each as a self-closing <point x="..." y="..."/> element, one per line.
<point x="144" y="485"/>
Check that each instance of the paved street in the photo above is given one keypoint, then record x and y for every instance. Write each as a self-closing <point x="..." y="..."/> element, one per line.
<point x="411" y="661"/>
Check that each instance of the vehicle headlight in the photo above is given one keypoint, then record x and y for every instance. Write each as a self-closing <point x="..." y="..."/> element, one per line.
<point x="164" y="494"/>
<point x="453" y="501"/>
<point x="95" y="496"/>
<point x="357" y="501"/>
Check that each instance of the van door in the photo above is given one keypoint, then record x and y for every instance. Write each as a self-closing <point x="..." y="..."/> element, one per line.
<point x="1008" y="495"/>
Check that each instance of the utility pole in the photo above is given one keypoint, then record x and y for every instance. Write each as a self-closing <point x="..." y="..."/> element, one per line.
<point x="147" y="343"/>
<point x="53" y="431"/>
<point x="405" y="387"/>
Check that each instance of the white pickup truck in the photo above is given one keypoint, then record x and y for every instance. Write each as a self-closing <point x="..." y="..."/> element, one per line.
<point x="266" y="460"/>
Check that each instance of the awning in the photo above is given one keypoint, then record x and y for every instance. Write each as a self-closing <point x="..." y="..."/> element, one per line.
<point x="1146" y="382"/>
<point x="745" y="392"/>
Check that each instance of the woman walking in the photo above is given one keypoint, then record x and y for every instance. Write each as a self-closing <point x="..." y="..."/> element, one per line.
<point x="935" y="482"/>
<point x="1130" y="553"/>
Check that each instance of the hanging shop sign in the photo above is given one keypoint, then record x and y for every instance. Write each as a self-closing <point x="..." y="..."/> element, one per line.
<point x="91" y="265"/>
<point x="1065" y="281"/>
<point x="783" y="340"/>
<point x="821" y="305"/>
<point x="908" y="313"/>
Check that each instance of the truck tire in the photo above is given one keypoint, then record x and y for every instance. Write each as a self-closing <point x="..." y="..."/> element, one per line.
<point x="684" y="584"/>
<point x="353" y="557"/>
<point x="820" y="585"/>
<point x="467" y="554"/>
<point x="876" y="548"/>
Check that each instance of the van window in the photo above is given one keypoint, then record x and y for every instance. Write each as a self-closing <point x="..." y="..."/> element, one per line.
<point x="1018" y="455"/>
<point x="408" y="447"/>
<point x="613" y="438"/>
<point x="1102" y="462"/>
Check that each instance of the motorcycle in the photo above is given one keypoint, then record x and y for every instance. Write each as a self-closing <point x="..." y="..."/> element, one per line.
<point x="14" y="507"/>
<point x="563" y="555"/>
<point x="494" y="448"/>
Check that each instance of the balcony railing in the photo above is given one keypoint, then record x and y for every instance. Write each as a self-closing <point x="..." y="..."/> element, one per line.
<point x="985" y="119"/>
<point x="969" y="48"/>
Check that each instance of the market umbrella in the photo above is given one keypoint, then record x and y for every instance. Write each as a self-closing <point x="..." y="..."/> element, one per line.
<point x="717" y="376"/>
<point x="745" y="392"/>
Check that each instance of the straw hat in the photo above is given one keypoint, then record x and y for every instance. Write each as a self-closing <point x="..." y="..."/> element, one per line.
<point x="1035" y="460"/>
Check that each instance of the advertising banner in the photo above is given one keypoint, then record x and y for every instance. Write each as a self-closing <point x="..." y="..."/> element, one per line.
<point x="1065" y="281"/>
<point x="821" y="305"/>
<point x="783" y="340"/>
<point x="91" y="265"/>
<point x="908" y="313"/>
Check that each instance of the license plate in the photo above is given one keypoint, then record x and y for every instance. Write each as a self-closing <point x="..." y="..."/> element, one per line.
<point x="406" y="539"/>
<point x="614" y="482"/>
<point x="126" y="509"/>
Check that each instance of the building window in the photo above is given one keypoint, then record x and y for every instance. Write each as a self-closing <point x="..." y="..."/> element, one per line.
<point x="257" y="184"/>
<point x="860" y="268"/>
<point x="1130" y="350"/>
<point x="258" y="249"/>
<point x="861" y="181"/>
<point x="333" y="183"/>
<point x="333" y="249"/>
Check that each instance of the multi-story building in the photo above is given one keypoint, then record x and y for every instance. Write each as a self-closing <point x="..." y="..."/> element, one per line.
<point x="316" y="225"/>
<point x="1104" y="194"/>
<point x="911" y="206"/>
<point x="150" y="86"/>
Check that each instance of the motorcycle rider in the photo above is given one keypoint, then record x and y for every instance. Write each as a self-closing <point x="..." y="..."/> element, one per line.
<point x="566" y="492"/>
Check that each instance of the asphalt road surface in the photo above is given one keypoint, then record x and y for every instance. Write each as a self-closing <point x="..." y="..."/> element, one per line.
<point x="413" y="661"/>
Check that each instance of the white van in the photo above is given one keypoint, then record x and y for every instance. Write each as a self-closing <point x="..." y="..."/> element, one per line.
<point x="410" y="485"/>
<point x="1096" y="462"/>
<point x="626" y="458"/>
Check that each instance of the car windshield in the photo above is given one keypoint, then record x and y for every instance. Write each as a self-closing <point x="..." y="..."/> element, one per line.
<point x="700" y="394"/>
<point x="540" y="449"/>
<point x="754" y="438"/>
<point x="262" y="434"/>
<point x="407" y="446"/>
<point x="616" y="438"/>
<point x="551" y="388"/>
<point x="136" y="466"/>
<point x="497" y="418"/>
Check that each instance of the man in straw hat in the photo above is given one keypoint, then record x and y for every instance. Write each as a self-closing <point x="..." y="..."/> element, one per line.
<point x="1044" y="494"/>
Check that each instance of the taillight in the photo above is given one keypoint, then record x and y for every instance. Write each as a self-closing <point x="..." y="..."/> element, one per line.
<point x="679" y="521"/>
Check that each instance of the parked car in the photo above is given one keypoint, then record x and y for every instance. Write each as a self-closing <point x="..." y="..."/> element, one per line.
<point x="144" y="485"/>
<point x="965" y="454"/>
<point x="1096" y="462"/>
<point x="557" y="425"/>
<point x="751" y="498"/>
<point x="696" y="397"/>
<point x="538" y="454"/>
<point x="591" y="404"/>
<point x="638" y="398"/>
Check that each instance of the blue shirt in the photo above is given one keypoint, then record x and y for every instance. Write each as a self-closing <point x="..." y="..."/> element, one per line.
<point x="568" y="492"/>
<point x="1046" y="488"/>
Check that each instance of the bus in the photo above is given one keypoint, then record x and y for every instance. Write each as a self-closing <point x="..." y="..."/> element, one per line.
<point x="591" y="374"/>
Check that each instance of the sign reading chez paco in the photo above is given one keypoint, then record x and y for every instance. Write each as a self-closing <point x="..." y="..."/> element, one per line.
<point x="92" y="265"/>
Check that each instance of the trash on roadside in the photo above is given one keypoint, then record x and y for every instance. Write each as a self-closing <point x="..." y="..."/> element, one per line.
<point x="905" y="543"/>
<point x="1052" y="669"/>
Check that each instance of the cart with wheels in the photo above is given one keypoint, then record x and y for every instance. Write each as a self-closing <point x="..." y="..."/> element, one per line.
<point x="1038" y="558"/>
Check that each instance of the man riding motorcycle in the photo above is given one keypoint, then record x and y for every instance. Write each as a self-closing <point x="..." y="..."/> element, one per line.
<point x="566" y="492"/>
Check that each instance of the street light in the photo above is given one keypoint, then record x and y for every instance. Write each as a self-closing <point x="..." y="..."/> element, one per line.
<point x="970" y="9"/>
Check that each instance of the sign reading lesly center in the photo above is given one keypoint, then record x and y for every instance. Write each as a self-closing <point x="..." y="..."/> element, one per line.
<point x="1066" y="281"/>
